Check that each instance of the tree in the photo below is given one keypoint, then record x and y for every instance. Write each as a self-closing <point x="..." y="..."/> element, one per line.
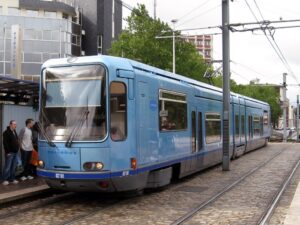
<point x="138" y="42"/>
<point x="265" y="93"/>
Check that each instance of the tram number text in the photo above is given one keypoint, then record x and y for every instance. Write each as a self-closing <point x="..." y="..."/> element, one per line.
<point x="59" y="175"/>
<point x="125" y="173"/>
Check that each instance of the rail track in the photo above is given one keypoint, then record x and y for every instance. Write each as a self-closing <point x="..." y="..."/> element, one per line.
<point x="267" y="213"/>
<point x="189" y="215"/>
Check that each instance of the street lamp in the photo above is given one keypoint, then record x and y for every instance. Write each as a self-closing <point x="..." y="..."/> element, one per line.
<point x="174" y="21"/>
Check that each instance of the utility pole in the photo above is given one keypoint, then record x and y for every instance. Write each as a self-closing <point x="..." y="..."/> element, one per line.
<point x="284" y="107"/>
<point x="154" y="9"/>
<point x="113" y="19"/>
<point x="174" y="50"/>
<point x="4" y="49"/>
<point x="297" y="119"/>
<point x="226" y="84"/>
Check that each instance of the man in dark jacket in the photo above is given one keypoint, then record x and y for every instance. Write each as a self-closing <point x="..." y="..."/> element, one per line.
<point x="11" y="147"/>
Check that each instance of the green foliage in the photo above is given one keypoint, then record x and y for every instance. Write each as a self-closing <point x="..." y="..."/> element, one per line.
<point x="138" y="42"/>
<point x="267" y="94"/>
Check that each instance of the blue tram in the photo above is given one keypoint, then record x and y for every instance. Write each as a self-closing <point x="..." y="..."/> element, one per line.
<point x="112" y="124"/>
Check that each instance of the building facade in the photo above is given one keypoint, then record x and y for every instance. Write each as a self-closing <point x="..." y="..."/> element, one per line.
<point x="102" y="24"/>
<point x="204" y="45"/>
<point x="33" y="31"/>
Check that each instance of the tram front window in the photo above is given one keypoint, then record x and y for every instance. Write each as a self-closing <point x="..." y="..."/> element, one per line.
<point x="74" y="103"/>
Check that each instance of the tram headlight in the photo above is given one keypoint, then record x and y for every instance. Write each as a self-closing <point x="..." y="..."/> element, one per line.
<point x="41" y="164"/>
<point x="91" y="166"/>
<point x="99" y="166"/>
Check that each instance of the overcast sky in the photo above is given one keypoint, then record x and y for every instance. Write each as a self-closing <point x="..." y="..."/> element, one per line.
<point x="252" y="54"/>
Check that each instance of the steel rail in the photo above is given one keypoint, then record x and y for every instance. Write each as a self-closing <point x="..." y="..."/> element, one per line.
<point x="186" y="217"/>
<point x="269" y="212"/>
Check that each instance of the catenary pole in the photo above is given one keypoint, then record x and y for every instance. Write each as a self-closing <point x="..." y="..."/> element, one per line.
<point x="174" y="49"/>
<point x="284" y="107"/>
<point x="297" y="119"/>
<point x="4" y="49"/>
<point x="113" y="19"/>
<point x="226" y="84"/>
<point x="154" y="11"/>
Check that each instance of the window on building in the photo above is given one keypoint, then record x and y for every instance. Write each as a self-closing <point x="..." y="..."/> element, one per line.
<point x="39" y="35"/>
<point x="213" y="127"/>
<point x="50" y="14"/>
<point x="207" y="53"/>
<point x="118" y="111"/>
<point x="47" y="35"/>
<point x="207" y="43"/>
<point x="13" y="11"/>
<point x="74" y="19"/>
<point x="55" y="35"/>
<point x="46" y="56"/>
<point x="33" y="57"/>
<point x="99" y="44"/>
<point x="32" y="13"/>
<point x="172" y="111"/>
<point x="29" y="34"/>
<point x="65" y="16"/>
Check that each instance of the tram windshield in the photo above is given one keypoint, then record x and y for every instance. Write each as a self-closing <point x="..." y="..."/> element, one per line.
<point x="74" y="103"/>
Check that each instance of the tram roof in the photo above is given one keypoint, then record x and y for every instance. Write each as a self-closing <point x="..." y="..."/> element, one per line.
<point x="128" y="64"/>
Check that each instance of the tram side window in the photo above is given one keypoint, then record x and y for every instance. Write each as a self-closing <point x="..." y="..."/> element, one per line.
<point x="256" y="125"/>
<point x="172" y="111"/>
<point x="118" y="111"/>
<point x="200" y="141"/>
<point x="242" y="126"/>
<point x="213" y="127"/>
<point x="193" y="131"/>
<point x="250" y="133"/>
<point x="261" y="126"/>
<point x="266" y="118"/>
<point x="237" y="126"/>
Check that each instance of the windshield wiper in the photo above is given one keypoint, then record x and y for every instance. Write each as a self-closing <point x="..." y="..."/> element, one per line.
<point x="41" y="129"/>
<point x="76" y="128"/>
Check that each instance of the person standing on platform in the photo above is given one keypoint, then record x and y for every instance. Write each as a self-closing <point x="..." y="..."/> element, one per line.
<point x="25" y="137"/>
<point x="11" y="148"/>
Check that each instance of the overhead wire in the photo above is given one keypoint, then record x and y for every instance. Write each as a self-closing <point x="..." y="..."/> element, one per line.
<point x="193" y="10"/>
<point x="289" y="67"/>
<point x="274" y="43"/>
<point x="202" y="13"/>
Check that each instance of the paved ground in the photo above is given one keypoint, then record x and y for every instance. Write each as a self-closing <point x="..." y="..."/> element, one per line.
<point x="241" y="205"/>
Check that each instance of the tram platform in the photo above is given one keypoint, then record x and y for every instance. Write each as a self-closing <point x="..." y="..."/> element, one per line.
<point x="293" y="214"/>
<point x="23" y="189"/>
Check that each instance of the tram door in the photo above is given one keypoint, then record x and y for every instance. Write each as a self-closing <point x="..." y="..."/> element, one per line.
<point x="197" y="130"/>
<point x="120" y="112"/>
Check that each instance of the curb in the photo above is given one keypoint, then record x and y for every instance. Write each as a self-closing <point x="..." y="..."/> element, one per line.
<point x="23" y="193"/>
